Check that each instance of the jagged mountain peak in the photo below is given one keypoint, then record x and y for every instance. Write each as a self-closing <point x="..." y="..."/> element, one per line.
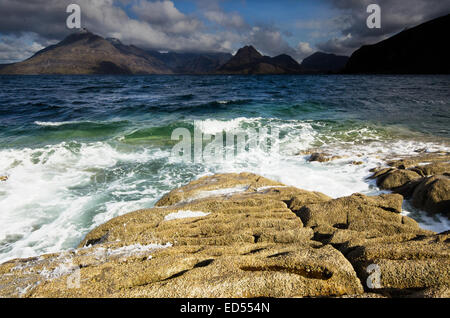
<point x="250" y="51"/>
<point x="248" y="60"/>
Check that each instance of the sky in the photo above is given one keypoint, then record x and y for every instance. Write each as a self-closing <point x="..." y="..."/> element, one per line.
<point x="295" y="27"/>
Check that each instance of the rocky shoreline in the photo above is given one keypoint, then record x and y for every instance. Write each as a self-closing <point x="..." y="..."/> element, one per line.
<point x="242" y="235"/>
<point x="425" y="179"/>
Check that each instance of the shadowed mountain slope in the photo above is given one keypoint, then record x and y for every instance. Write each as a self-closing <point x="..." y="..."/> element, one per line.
<point x="419" y="50"/>
<point x="320" y="62"/>
<point x="87" y="53"/>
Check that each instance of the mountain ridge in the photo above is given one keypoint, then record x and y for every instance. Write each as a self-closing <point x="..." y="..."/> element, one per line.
<point x="248" y="60"/>
<point x="417" y="50"/>
<point x="85" y="53"/>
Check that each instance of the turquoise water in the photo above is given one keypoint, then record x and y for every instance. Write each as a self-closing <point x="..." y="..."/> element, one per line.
<point x="80" y="150"/>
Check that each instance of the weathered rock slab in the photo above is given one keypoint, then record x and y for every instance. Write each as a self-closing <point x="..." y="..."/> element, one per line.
<point x="242" y="235"/>
<point x="220" y="236"/>
<point x="417" y="264"/>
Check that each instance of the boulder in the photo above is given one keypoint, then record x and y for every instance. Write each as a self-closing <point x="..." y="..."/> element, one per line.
<point x="322" y="157"/>
<point x="424" y="179"/>
<point x="393" y="179"/>
<point x="421" y="159"/>
<point x="352" y="209"/>
<point x="433" y="195"/>
<point x="438" y="168"/>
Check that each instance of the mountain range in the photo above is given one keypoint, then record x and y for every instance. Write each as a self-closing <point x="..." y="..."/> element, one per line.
<point x="86" y="53"/>
<point x="417" y="50"/>
<point x="248" y="60"/>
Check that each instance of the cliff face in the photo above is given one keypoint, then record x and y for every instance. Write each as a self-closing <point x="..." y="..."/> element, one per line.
<point x="249" y="61"/>
<point x="421" y="50"/>
<point x="242" y="235"/>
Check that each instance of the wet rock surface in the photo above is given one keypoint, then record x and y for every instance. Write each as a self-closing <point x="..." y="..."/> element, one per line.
<point x="242" y="235"/>
<point x="322" y="157"/>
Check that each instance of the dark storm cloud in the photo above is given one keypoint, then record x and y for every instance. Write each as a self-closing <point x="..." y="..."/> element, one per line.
<point x="396" y="15"/>
<point x="45" y="18"/>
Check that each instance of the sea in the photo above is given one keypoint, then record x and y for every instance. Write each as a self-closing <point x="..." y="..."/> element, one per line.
<point x="81" y="150"/>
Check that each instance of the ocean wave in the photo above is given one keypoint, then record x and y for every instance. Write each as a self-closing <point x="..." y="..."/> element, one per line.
<point x="213" y="126"/>
<point x="83" y="124"/>
<point x="59" y="123"/>
<point x="57" y="193"/>
<point x="232" y="102"/>
<point x="202" y="108"/>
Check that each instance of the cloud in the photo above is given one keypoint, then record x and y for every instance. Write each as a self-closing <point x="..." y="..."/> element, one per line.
<point x="161" y="25"/>
<point x="395" y="17"/>
<point x="151" y="24"/>
<point x="270" y="41"/>
<point x="304" y="49"/>
<point x="163" y="15"/>
<point x="158" y="24"/>
<point x="45" y="18"/>
<point x="13" y="48"/>
<point x="228" y="20"/>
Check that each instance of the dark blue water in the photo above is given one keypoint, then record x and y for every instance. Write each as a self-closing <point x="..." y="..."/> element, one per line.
<point x="113" y="104"/>
<point x="79" y="150"/>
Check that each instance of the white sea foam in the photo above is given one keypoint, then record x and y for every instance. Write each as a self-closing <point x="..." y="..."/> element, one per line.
<point x="57" y="123"/>
<point x="183" y="214"/>
<point x="213" y="126"/>
<point x="336" y="178"/>
<point x="56" y="194"/>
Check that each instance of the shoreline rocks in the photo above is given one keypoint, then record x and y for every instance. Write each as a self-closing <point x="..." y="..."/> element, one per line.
<point x="242" y="235"/>
<point x="322" y="157"/>
<point x="425" y="179"/>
